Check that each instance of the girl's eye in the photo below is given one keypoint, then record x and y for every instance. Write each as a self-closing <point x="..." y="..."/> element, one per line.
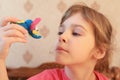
<point x="75" y="34"/>
<point x="59" y="33"/>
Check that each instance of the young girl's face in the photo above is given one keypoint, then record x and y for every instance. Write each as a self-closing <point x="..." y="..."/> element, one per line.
<point x="76" y="41"/>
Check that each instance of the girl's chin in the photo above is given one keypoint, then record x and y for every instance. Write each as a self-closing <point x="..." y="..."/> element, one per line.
<point x="62" y="59"/>
<point x="59" y="61"/>
<point x="62" y="62"/>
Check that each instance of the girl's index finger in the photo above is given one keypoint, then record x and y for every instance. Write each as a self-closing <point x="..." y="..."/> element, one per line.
<point x="6" y="20"/>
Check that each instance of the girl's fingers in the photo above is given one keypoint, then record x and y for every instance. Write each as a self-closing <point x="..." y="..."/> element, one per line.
<point x="14" y="33"/>
<point x="6" y="26"/>
<point x="6" y="20"/>
<point x="15" y="26"/>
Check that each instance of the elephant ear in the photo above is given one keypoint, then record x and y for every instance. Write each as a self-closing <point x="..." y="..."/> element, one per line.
<point x="34" y="23"/>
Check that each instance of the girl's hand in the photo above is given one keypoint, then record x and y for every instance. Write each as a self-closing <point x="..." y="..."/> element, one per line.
<point x="10" y="33"/>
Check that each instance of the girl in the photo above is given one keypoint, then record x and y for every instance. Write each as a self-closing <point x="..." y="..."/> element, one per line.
<point x="84" y="44"/>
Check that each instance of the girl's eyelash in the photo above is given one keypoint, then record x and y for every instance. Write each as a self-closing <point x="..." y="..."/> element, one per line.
<point x="75" y="34"/>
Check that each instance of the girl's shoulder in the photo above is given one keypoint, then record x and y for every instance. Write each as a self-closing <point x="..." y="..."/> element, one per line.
<point x="50" y="74"/>
<point x="100" y="76"/>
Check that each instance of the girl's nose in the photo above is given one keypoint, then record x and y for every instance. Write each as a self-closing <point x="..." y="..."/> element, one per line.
<point x="62" y="39"/>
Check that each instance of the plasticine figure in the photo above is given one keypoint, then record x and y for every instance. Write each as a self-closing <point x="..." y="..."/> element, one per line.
<point x="31" y="27"/>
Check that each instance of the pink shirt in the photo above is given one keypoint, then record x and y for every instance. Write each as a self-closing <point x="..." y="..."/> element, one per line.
<point x="59" y="74"/>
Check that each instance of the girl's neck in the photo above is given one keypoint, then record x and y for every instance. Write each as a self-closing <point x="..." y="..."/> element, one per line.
<point x="77" y="72"/>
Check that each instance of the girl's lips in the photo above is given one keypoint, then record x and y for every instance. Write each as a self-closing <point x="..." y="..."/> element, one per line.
<point x="60" y="49"/>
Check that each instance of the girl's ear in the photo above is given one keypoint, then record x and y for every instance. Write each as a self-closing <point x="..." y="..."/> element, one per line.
<point x="99" y="53"/>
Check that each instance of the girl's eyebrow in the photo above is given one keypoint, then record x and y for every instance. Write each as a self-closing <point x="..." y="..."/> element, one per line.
<point x="78" y="25"/>
<point x="75" y="25"/>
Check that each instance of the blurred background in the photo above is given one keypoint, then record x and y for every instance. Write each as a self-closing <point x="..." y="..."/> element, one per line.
<point x="39" y="51"/>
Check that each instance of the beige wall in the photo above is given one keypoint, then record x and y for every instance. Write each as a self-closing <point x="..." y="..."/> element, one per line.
<point x="38" y="51"/>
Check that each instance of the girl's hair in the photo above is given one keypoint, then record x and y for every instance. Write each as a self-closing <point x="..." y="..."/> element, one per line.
<point x="102" y="31"/>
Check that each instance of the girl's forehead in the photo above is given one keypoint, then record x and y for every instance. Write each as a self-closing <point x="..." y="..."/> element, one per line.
<point x="75" y="19"/>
